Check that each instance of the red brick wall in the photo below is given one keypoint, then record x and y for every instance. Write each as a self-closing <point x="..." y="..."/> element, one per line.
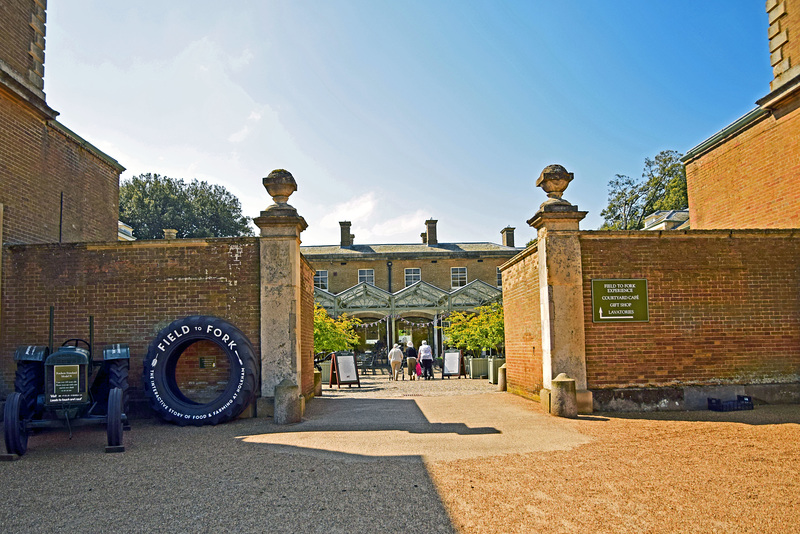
<point x="523" y="330"/>
<point x="724" y="308"/>
<point x="307" y="328"/>
<point x="133" y="290"/>
<point x="37" y="163"/>
<point x="752" y="180"/>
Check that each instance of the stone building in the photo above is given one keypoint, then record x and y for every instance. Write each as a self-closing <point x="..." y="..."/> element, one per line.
<point x="54" y="185"/>
<point x="62" y="248"/>
<point x="669" y="318"/>
<point x="747" y="175"/>
<point x="407" y="289"/>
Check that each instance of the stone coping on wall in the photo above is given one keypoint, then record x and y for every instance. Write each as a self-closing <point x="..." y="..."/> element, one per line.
<point x="664" y="234"/>
<point x="533" y="249"/>
<point x="150" y="243"/>
<point x="677" y="234"/>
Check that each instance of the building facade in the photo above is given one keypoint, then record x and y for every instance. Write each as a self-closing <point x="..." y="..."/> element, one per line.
<point x="748" y="174"/>
<point x="54" y="185"/>
<point x="403" y="292"/>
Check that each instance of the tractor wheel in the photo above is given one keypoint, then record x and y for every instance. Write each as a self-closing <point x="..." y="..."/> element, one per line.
<point x="114" y="417"/>
<point x="160" y="364"/>
<point x="118" y="378"/>
<point x="14" y="426"/>
<point x="29" y="382"/>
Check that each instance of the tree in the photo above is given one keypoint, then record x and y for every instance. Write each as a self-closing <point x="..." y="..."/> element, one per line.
<point x="331" y="334"/>
<point x="151" y="202"/>
<point x="475" y="331"/>
<point x="662" y="187"/>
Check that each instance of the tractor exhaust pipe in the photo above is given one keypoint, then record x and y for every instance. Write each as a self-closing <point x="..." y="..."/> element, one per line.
<point x="50" y="339"/>
<point x="91" y="335"/>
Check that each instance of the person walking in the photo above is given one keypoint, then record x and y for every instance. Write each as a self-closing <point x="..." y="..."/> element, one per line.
<point x="396" y="360"/>
<point x="426" y="358"/>
<point x="411" y="361"/>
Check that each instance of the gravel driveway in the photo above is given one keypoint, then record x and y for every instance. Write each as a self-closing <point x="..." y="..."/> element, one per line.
<point x="423" y="456"/>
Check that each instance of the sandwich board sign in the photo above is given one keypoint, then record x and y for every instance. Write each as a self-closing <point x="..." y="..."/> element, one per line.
<point x="344" y="369"/>
<point x="621" y="300"/>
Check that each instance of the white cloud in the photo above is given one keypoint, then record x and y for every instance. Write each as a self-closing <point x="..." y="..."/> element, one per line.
<point x="239" y="62"/>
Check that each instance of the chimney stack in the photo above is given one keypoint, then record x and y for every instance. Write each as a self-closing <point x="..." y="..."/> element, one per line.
<point x="347" y="237"/>
<point x="430" y="236"/>
<point x="170" y="233"/>
<point x="508" y="236"/>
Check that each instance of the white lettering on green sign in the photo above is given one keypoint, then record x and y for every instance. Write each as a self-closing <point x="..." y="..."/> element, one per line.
<point x="622" y="300"/>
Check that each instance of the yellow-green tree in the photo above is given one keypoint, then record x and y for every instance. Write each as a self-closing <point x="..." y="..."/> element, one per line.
<point x="475" y="331"/>
<point x="331" y="334"/>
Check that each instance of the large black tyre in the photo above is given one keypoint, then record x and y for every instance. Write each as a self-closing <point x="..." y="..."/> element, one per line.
<point x="162" y="357"/>
<point x="16" y="437"/>
<point x="29" y="382"/>
<point x="114" y="418"/>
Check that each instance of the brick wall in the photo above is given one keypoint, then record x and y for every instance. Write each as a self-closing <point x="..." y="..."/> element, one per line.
<point x="39" y="161"/>
<point x="752" y="180"/>
<point x="784" y="46"/>
<point x="724" y="308"/>
<point x="17" y="35"/>
<point x="523" y="331"/>
<point x="307" y="328"/>
<point x="133" y="290"/>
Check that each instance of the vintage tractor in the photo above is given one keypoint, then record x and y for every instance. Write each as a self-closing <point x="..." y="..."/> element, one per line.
<point x="67" y="388"/>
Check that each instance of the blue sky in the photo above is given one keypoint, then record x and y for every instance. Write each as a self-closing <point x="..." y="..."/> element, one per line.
<point x="389" y="113"/>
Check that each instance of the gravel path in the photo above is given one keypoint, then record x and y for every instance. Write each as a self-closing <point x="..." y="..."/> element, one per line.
<point x="424" y="456"/>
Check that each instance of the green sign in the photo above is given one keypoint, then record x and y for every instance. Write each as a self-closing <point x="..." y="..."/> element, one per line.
<point x="620" y="300"/>
<point x="66" y="380"/>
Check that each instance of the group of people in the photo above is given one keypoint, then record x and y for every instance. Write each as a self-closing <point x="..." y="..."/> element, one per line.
<point x="418" y="363"/>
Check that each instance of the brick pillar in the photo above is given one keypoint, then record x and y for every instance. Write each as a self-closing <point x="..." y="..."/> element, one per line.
<point x="557" y="225"/>
<point x="280" y="227"/>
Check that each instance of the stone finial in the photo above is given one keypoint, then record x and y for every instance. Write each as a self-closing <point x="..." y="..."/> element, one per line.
<point x="280" y="185"/>
<point x="554" y="181"/>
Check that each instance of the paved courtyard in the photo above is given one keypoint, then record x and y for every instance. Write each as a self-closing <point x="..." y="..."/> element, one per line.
<point x="424" y="456"/>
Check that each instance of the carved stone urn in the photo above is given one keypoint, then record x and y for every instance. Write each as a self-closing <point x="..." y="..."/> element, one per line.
<point x="280" y="185"/>
<point x="554" y="181"/>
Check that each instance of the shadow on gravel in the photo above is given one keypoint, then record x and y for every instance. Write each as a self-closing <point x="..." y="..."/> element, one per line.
<point x="760" y="415"/>
<point x="370" y="415"/>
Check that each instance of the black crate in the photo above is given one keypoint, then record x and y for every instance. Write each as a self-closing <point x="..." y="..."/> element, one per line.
<point x="742" y="402"/>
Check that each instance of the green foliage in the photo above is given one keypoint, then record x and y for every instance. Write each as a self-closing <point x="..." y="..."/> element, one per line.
<point x="476" y="331"/>
<point x="151" y="202"/>
<point x="331" y="334"/>
<point x="662" y="187"/>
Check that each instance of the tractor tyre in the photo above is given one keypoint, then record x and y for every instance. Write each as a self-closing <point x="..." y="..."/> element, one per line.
<point x="118" y="378"/>
<point x="29" y="382"/>
<point x="14" y="432"/>
<point x="114" y="418"/>
<point x="161" y="385"/>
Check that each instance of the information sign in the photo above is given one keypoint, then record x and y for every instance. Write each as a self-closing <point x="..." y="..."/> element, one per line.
<point x="65" y="379"/>
<point x="620" y="300"/>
